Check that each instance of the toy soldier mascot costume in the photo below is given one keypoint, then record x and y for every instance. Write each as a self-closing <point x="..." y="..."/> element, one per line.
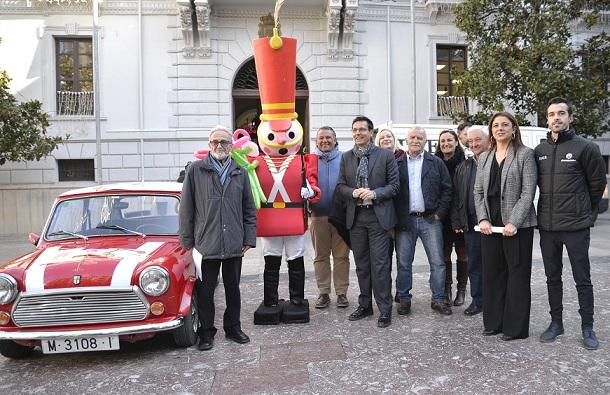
<point x="287" y="178"/>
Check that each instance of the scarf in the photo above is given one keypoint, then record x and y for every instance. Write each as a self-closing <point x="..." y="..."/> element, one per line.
<point x="362" y="172"/>
<point x="327" y="156"/>
<point x="221" y="168"/>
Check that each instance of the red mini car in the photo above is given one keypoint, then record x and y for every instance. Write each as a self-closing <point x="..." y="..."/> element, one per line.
<point x="108" y="267"/>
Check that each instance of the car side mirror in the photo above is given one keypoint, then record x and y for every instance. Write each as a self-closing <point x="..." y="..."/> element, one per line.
<point x="34" y="238"/>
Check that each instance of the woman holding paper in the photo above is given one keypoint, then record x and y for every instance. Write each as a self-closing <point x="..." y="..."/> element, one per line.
<point x="503" y="193"/>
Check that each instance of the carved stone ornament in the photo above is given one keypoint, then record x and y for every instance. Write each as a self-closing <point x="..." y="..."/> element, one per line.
<point x="266" y="25"/>
<point x="202" y="10"/>
<point x="349" y="13"/>
<point x="334" y="27"/>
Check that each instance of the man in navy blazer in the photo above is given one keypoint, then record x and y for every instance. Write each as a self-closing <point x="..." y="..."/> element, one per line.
<point x="421" y="205"/>
<point x="368" y="180"/>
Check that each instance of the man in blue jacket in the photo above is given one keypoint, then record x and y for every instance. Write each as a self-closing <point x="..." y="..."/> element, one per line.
<point x="324" y="236"/>
<point x="423" y="201"/>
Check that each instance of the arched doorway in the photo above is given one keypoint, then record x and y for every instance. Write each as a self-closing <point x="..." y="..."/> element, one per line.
<point x="247" y="103"/>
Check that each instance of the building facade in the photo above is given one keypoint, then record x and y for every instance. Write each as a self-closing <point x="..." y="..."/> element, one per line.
<point x="163" y="84"/>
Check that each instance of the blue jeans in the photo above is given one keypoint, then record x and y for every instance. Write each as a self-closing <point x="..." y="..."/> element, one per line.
<point x="473" y="246"/>
<point x="430" y="232"/>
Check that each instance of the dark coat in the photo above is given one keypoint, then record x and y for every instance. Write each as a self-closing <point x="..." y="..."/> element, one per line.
<point x="436" y="189"/>
<point x="462" y="206"/>
<point x="571" y="178"/>
<point x="383" y="179"/>
<point x="217" y="220"/>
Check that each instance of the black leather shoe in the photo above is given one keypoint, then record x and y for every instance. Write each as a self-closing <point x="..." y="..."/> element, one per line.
<point x="205" y="343"/>
<point x="473" y="309"/>
<point x="384" y="320"/>
<point x="490" y="332"/>
<point x="589" y="340"/>
<point x="360" y="313"/>
<point x="442" y="308"/>
<point x="551" y="333"/>
<point x="238" y="336"/>
<point x="404" y="308"/>
<point x="508" y="338"/>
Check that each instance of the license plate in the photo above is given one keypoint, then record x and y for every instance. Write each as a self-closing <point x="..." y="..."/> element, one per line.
<point x="80" y="344"/>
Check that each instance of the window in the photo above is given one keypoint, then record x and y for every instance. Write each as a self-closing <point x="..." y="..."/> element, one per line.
<point x="74" y="68"/>
<point x="76" y="169"/>
<point x="450" y="60"/>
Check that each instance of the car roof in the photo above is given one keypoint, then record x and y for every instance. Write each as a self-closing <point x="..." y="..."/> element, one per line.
<point x="154" y="187"/>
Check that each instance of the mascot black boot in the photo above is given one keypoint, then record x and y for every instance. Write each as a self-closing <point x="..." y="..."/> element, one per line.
<point x="296" y="311"/>
<point x="270" y="310"/>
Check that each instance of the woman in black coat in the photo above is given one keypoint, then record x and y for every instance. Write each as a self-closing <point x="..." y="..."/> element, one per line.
<point x="450" y="151"/>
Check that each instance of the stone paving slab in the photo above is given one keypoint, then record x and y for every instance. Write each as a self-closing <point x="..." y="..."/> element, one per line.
<point x="423" y="353"/>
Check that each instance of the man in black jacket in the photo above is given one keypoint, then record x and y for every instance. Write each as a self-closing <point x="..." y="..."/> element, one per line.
<point x="423" y="201"/>
<point x="571" y="178"/>
<point x="218" y="219"/>
<point x="464" y="215"/>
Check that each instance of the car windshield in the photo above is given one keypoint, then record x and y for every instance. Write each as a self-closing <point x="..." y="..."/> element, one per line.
<point x="140" y="215"/>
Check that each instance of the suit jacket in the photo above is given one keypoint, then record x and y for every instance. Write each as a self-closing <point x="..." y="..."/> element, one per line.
<point x="518" y="187"/>
<point x="435" y="186"/>
<point x="383" y="179"/>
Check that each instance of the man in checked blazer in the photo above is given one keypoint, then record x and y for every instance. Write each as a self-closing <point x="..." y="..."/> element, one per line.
<point x="368" y="180"/>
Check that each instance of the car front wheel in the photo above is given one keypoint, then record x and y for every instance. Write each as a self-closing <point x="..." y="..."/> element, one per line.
<point x="10" y="349"/>
<point x="186" y="335"/>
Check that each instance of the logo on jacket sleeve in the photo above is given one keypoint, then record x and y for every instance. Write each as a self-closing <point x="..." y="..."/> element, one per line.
<point x="569" y="158"/>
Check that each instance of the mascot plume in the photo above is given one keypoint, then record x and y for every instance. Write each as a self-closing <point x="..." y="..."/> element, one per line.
<point x="287" y="179"/>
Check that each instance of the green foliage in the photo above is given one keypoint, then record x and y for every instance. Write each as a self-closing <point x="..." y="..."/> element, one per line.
<point x="23" y="127"/>
<point x="521" y="55"/>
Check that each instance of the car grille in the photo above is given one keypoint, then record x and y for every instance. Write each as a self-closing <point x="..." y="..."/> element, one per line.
<point x="79" y="308"/>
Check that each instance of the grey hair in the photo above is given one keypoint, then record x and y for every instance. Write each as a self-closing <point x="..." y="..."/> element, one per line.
<point x="419" y="129"/>
<point x="221" y="128"/>
<point x="481" y="129"/>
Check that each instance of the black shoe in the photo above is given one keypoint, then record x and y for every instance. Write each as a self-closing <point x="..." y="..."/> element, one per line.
<point x="442" y="308"/>
<point x="459" y="297"/>
<point x="589" y="340"/>
<point x="404" y="308"/>
<point x="238" y="336"/>
<point x="490" y="332"/>
<point x="205" y="343"/>
<point x="508" y="338"/>
<point x="360" y="313"/>
<point x="473" y="309"/>
<point x="551" y="333"/>
<point x="384" y="320"/>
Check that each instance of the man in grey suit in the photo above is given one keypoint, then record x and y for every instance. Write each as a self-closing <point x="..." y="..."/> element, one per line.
<point x="368" y="180"/>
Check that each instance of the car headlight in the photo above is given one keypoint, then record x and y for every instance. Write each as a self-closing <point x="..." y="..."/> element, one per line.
<point x="154" y="281"/>
<point x="8" y="289"/>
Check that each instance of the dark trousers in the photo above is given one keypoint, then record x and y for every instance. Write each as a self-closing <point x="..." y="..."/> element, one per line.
<point x="507" y="269"/>
<point x="370" y="248"/>
<point x="577" y="244"/>
<point x="231" y="273"/>
<point x="473" y="246"/>
<point x="452" y="241"/>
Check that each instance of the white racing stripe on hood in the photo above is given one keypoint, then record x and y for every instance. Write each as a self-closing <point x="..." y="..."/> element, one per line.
<point x="34" y="276"/>
<point x="121" y="278"/>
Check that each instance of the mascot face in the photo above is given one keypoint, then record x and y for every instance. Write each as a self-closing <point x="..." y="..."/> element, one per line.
<point x="275" y="142"/>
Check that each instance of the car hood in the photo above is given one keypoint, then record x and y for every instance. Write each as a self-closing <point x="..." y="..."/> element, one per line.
<point x="94" y="264"/>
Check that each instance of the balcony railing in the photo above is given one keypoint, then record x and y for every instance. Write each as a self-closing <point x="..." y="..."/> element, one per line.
<point x="447" y="106"/>
<point x="74" y="103"/>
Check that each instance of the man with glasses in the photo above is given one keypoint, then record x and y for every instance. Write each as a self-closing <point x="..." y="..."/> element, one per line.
<point x="368" y="180"/>
<point x="218" y="219"/>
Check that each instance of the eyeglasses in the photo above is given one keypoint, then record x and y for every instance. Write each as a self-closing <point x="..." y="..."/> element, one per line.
<point x="361" y="130"/>
<point x="223" y="143"/>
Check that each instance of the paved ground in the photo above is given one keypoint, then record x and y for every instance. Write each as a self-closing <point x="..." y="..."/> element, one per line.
<point x="422" y="353"/>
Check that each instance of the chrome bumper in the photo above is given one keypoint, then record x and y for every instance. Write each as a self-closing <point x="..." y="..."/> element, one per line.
<point x="124" y="330"/>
